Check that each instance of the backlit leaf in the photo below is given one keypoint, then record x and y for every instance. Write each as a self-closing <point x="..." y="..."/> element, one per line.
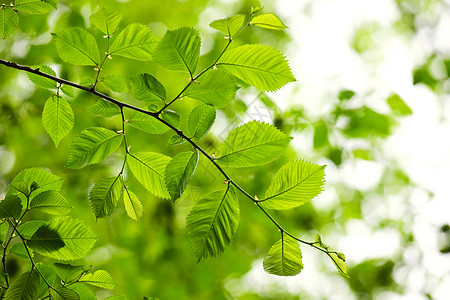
<point x="104" y="109"/>
<point x="45" y="180"/>
<point x="68" y="272"/>
<point x="146" y="123"/>
<point x="145" y="87"/>
<point x="253" y="144"/>
<point x="179" y="172"/>
<point x="175" y="140"/>
<point x="179" y="50"/>
<point x="258" y="65"/>
<point x="116" y="83"/>
<point x="229" y="26"/>
<point x="83" y="291"/>
<point x="67" y="90"/>
<point x="51" y="202"/>
<point x="339" y="262"/>
<point x="215" y="88"/>
<point x="91" y="146"/>
<point x="43" y="82"/>
<point x="51" y="2"/>
<point x="25" y="287"/>
<point x="200" y="120"/>
<point x="398" y="105"/>
<point x="9" y="20"/>
<point x="132" y="204"/>
<point x="11" y="207"/>
<point x="294" y="184"/>
<point x="212" y="223"/>
<point x="29" y="228"/>
<point x="77" y="46"/>
<point x="284" y="258"/>
<point x="57" y="118"/>
<point x="268" y="21"/>
<point x="149" y="168"/>
<point x="136" y="41"/>
<point x="77" y="239"/>
<point x="171" y="117"/>
<point x="49" y="274"/>
<point x="99" y="278"/>
<point x="105" y="195"/>
<point x="32" y="7"/>
<point x="62" y="293"/>
<point x="19" y="250"/>
<point x="106" y="20"/>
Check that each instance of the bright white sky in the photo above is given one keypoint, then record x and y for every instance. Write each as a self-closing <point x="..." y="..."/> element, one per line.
<point x="323" y="62"/>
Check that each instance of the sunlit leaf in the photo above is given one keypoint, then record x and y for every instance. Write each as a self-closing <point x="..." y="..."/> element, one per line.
<point x="145" y="87"/>
<point x="268" y="21"/>
<point x="253" y="144"/>
<point x="175" y="140"/>
<point x="149" y="168"/>
<point x="214" y="87"/>
<point x="62" y="293"/>
<point x="27" y="229"/>
<point x="67" y="90"/>
<point x="51" y="202"/>
<point x="398" y="105"/>
<point x="212" y="223"/>
<point x="77" y="46"/>
<point x="83" y="291"/>
<point x="51" y="2"/>
<point x="9" y="19"/>
<point x="259" y="65"/>
<point x="179" y="50"/>
<point x="179" y="172"/>
<point x="116" y="83"/>
<point x="32" y="7"/>
<point x="147" y="123"/>
<point x="105" y="195"/>
<point x="20" y="186"/>
<point x="57" y="118"/>
<point x="320" y="135"/>
<point x="77" y="239"/>
<point x="106" y="20"/>
<point x="284" y="258"/>
<point x="41" y="81"/>
<point x="68" y="272"/>
<point x="19" y="250"/>
<point x="171" y="117"/>
<point x="92" y="146"/>
<point x="45" y="180"/>
<point x="229" y="26"/>
<point x="132" y="204"/>
<point x="49" y="274"/>
<point x="10" y="207"/>
<point x="200" y="120"/>
<point x="294" y="184"/>
<point x="25" y="287"/>
<point x="104" y="109"/>
<point x="339" y="262"/>
<point x="99" y="278"/>
<point x="136" y="41"/>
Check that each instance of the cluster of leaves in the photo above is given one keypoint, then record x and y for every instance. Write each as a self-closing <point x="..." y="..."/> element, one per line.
<point x="214" y="218"/>
<point x="60" y="238"/>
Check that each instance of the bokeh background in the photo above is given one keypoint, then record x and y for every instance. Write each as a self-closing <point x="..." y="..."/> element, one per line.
<point x="371" y="102"/>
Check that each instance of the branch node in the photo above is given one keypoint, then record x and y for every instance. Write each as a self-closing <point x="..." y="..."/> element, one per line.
<point x="213" y="156"/>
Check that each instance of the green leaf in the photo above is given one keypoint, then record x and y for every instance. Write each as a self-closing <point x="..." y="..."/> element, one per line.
<point x="215" y="88"/>
<point x="92" y="146"/>
<point x="145" y="87"/>
<point x="105" y="195"/>
<point x="19" y="250"/>
<point x="179" y="50"/>
<point x="258" y="65"/>
<point x="230" y="26"/>
<point x="147" y="123"/>
<point x="32" y="7"/>
<point x="62" y="293"/>
<point x="83" y="291"/>
<point x="284" y="258"/>
<point x="136" y="41"/>
<point x="320" y="135"/>
<point x="149" y="168"/>
<point x="398" y="105"/>
<point x="4" y="226"/>
<point x="78" y="239"/>
<point x="200" y="120"/>
<point x="171" y="117"/>
<point x="51" y="2"/>
<point x="67" y="90"/>
<point x="116" y="83"/>
<point x="45" y="180"/>
<point x="345" y="95"/>
<point x="106" y="20"/>
<point x="253" y="144"/>
<point x="11" y="207"/>
<point x="29" y="228"/>
<point x="67" y="272"/>
<point x="43" y="82"/>
<point x="9" y="20"/>
<point x="132" y="204"/>
<point x="179" y="172"/>
<point x="51" y="202"/>
<point x="99" y="278"/>
<point x="49" y="274"/>
<point x="175" y="140"/>
<point x="294" y="184"/>
<point x="103" y="108"/>
<point x="77" y="46"/>
<point x="25" y="287"/>
<point x="20" y="186"/>
<point x="268" y="21"/>
<point x="57" y="118"/>
<point x="212" y="223"/>
<point x="339" y="263"/>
